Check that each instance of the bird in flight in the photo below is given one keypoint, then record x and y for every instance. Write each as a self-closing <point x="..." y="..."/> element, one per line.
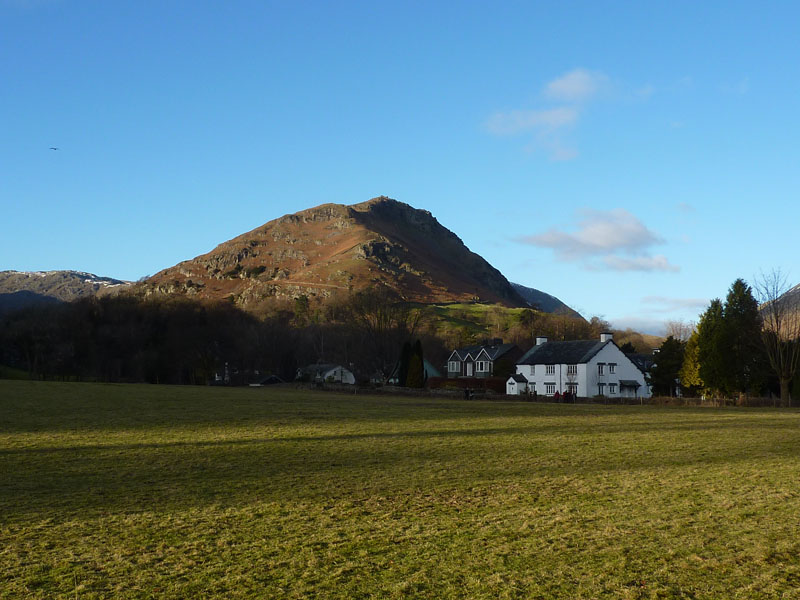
<point x="52" y="148"/>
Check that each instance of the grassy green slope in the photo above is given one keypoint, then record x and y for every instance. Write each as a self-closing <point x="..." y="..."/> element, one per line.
<point x="474" y="319"/>
<point x="177" y="492"/>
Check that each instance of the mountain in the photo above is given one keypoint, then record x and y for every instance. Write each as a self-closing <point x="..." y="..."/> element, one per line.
<point x="544" y="302"/>
<point x="334" y="248"/>
<point x="791" y="297"/>
<point x="23" y="288"/>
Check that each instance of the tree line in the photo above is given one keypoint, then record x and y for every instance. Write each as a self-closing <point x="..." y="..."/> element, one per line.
<point x="746" y="345"/>
<point x="173" y="339"/>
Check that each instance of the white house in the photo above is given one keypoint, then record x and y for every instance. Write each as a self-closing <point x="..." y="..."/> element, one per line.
<point x="584" y="368"/>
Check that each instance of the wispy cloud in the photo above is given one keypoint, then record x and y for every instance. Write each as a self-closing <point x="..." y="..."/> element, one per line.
<point x="640" y="324"/>
<point x="645" y="92"/>
<point x="578" y="85"/>
<point x="599" y="232"/>
<point x="740" y="88"/>
<point x="519" y="121"/>
<point x="666" y="304"/>
<point x="640" y="263"/>
<point x="611" y="240"/>
<point x="549" y="124"/>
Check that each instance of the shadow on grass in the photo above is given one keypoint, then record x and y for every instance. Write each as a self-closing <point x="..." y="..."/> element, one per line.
<point x="37" y="407"/>
<point x="598" y="429"/>
<point x="61" y="482"/>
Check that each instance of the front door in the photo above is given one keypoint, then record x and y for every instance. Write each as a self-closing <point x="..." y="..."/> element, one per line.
<point x="469" y="369"/>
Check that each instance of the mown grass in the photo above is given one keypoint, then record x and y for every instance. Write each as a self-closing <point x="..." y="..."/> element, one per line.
<point x="176" y="492"/>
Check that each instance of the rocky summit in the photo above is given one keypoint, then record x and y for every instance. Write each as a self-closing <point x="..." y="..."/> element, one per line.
<point x="333" y="249"/>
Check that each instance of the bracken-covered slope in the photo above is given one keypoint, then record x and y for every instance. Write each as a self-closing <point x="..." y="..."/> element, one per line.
<point x="335" y="248"/>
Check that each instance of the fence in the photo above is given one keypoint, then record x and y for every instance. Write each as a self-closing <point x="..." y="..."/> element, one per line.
<point x="477" y="393"/>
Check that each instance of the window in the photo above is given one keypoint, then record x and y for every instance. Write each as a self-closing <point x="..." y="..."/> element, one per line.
<point x="601" y="368"/>
<point x="550" y="370"/>
<point x="572" y="388"/>
<point x="550" y="388"/>
<point x="453" y="366"/>
<point x="612" y="388"/>
<point x="482" y="366"/>
<point x="572" y="369"/>
<point x="612" y="368"/>
<point x="601" y="389"/>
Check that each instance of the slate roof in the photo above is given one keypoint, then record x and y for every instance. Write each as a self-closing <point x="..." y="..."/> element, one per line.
<point x="562" y="353"/>
<point x="643" y="361"/>
<point x="629" y="383"/>
<point x="319" y="369"/>
<point x="519" y="378"/>
<point x="494" y="352"/>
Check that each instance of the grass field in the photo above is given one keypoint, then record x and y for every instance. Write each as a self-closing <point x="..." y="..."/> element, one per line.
<point x="178" y="492"/>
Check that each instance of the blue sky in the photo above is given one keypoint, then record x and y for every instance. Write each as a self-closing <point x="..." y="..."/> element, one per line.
<point x="631" y="158"/>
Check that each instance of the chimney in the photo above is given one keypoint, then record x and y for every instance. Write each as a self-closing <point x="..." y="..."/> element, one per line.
<point x="541" y="340"/>
<point x="606" y="336"/>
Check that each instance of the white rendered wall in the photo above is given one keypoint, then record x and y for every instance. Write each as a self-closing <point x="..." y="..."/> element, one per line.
<point x="587" y="377"/>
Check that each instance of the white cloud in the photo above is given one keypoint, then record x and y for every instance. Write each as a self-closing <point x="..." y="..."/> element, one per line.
<point x="612" y="240"/>
<point x="578" y="85"/>
<point x="519" y="121"/>
<point x="599" y="232"/>
<point x="549" y="125"/>
<point x="640" y="263"/>
<point x="640" y="324"/>
<point x="666" y="304"/>
<point x="645" y="92"/>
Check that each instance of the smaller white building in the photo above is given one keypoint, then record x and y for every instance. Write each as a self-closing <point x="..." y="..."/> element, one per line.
<point x="516" y="385"/>
<point x="326" y="373"/>
<point x="584" y="368"/>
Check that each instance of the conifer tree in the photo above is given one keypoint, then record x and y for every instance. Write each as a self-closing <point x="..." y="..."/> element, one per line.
<point x="744" y="362"/>
<point x="416" y="368"/>
<point x="710" y="347"/>
<point x="402" y="370"/>
<point x="690" y="370"/>
<point x="668" y="363"/>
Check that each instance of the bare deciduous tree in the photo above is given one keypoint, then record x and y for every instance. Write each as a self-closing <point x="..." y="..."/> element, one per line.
<point x="680" y="330"/>
<point x="780" y="312"/>
<point x="385" y="322"/>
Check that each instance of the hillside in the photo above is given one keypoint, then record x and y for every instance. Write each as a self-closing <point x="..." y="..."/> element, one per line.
<point x="335" y="248"/>
<point x="545" y="302"/>
<point x="25" y="288"/>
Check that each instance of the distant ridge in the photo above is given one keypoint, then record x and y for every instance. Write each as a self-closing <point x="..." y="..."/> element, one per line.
<point x="24" y="288"/>
<point x="334" y="248"/>
<point x="545" y="302"/>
